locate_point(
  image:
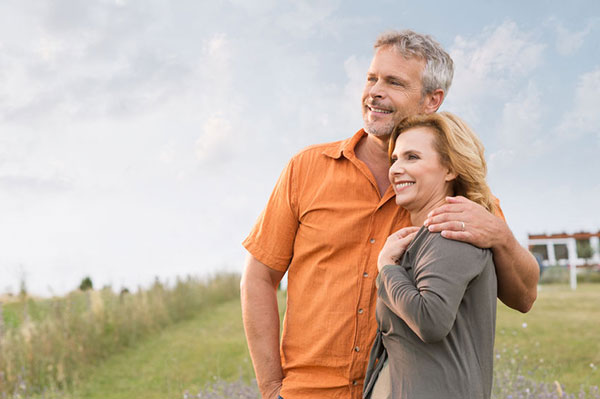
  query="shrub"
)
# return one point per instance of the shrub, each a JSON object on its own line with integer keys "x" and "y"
{"x": 86, "y": 284}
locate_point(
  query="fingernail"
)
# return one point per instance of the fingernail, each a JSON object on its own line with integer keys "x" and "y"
{"x": 426, "y": 222}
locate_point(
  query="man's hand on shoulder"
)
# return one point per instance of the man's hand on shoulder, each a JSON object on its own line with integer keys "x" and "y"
{"x": 464, "y": 220}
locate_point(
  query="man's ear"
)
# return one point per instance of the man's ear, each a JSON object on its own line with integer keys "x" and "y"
{"x": 433, "y": 101}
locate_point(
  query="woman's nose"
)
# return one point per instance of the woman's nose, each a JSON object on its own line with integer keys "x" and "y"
{"x": 396, "y": 168}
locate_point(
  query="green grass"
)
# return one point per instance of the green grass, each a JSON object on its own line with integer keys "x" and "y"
{"x": 186, "y": 356}
{"x": 49, "y": 344}
{"x": 561, "y": 338}
{"x": 560, "y": 341}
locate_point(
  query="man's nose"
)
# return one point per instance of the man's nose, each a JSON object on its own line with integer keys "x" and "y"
{"x": 376, "y": 90}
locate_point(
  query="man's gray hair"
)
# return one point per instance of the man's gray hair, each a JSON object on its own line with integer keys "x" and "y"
{"x": 439, "y": 67}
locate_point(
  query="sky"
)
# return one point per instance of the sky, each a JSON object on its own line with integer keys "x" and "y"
{"x": 142, "y": 138}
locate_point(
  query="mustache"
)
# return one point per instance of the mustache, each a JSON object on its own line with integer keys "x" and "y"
{"x": 377, "y": 104}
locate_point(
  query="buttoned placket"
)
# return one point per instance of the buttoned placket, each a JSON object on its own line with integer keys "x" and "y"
{"x": 369, "y": 271}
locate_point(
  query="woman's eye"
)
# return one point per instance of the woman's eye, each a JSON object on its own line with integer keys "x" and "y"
{"x": 412, "y": 157}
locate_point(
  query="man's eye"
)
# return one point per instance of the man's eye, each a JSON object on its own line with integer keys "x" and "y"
{"x": 371, "y": 79}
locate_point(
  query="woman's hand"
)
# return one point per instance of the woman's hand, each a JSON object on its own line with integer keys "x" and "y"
{"x": 395, "y": 245}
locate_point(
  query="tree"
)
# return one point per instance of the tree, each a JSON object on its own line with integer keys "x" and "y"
{"x": 86, "y": 284}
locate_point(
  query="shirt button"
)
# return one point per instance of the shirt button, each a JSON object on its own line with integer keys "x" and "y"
{"x": 356, "y": 349}
{"x": 354, "y": 383}
{"x": 360, "y": 311}
{"x": 365, "y": 274}
{"x": 372, "y": 240}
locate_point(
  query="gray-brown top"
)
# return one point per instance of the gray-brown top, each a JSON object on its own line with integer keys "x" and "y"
{"x": 436, "y": 313}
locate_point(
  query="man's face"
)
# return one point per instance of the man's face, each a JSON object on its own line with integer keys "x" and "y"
{"x": 392, "y": 91}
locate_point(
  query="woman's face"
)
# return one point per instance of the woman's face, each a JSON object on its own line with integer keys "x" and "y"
{"x": 417, "y": 175}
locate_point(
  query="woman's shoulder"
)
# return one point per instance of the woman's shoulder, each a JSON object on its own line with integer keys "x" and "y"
{"x": 434, "y": 244}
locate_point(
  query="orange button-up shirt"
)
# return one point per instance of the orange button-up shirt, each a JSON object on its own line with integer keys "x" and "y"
{"x": 325, "y": 223}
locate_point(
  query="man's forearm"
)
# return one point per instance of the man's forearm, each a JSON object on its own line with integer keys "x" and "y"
{"x": 261, "y": 322}
{"x": 517, "y": 272}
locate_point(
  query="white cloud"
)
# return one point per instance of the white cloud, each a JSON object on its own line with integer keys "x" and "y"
{"x": 255, "y": 7}
{"x": 356, "y": 72}
{"x": 309, "y": 17}
{"x": 568, "y": 42}
{"x": 583, "y": 117}
{"x": 213, "y": 144}
{"x": 491, "y": 65}
{"x": 521, "y": 117}
{"x": 521, "y": 128}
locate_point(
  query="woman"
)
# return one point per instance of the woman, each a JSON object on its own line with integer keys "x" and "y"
{"x": 436, "y": 307}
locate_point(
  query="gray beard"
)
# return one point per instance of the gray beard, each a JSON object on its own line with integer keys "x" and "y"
{"x": 384, "y": 130}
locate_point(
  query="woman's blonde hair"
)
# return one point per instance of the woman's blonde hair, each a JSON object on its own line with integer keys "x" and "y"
{"x": 460, "y": 151}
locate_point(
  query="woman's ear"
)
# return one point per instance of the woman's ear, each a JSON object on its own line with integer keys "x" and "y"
{"x": 450, "y": 175}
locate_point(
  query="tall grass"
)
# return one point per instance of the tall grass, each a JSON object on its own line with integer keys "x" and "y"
{"x": 561, "y": 275}
{"x": 47, "y": 345}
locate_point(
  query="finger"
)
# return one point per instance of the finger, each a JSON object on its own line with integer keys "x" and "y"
{"x": 452, "y": 225}
{"x": 410, "y": 237}
{"x": 446, "y": 218}
{"x": 457, "y": 235}
{"x": 459, "y": 199}
{"x": 406, "y": 231}
{"x": 447, "y": 208}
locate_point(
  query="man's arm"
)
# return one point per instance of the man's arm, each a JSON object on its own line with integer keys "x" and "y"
{"x": 516, "y": 268}
{"x": 261, "y": 323}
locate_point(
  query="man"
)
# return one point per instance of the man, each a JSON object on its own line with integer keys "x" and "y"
{"x": 325, "y": 223}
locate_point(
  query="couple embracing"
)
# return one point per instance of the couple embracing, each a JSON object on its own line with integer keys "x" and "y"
{"x": 394, "y": 246}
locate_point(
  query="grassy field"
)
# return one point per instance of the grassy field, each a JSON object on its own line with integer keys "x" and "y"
{"x": 184, "y": 357}
{"x": 52, "y": 344}
{"x": 187, "y": 357}
{"x": 559, "y": 340}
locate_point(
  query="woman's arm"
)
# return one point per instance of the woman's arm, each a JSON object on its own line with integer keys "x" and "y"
{"x": 443, "y": 270}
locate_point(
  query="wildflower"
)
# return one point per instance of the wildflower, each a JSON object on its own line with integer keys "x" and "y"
{"x": 524, "y": 325}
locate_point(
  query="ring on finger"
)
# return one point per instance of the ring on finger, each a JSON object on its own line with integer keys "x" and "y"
{"x": 463, "y": 225}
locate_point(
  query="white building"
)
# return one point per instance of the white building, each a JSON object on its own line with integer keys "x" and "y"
{"x": 566, "y": 249}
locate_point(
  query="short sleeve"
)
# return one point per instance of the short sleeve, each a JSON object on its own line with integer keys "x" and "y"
{"x": 498, "y": 211}
{"x": 271, "y": 240}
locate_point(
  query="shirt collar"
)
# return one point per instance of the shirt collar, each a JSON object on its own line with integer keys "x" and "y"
{"x": 345, "y": 147}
